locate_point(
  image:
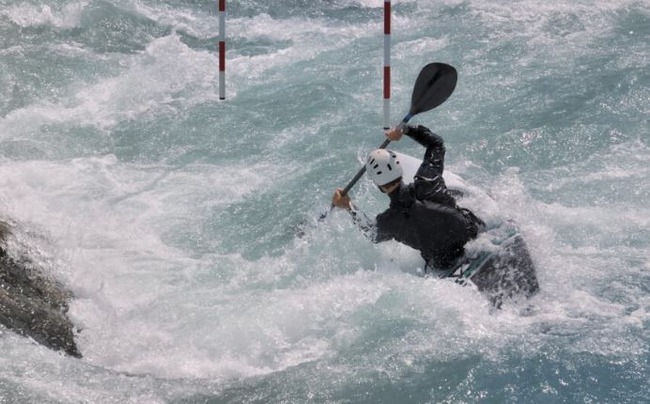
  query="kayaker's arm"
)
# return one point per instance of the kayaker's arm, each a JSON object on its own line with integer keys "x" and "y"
{"x": 428, "y": 181}
{"x": 363, "y": 222}
{"x": 434, "y": 157}
{"x": 367, "y": 226}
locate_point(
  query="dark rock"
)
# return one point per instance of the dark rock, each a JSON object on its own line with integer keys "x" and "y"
{"x": 32, "y": 303}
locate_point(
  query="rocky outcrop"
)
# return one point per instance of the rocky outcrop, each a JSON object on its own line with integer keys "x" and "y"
{"x": 32, "y": 303}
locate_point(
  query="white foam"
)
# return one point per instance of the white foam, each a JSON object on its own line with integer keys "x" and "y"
{"x": 29, "y": 15}
{"x": 191, "y": 21}
{"x": 167, "y": 72}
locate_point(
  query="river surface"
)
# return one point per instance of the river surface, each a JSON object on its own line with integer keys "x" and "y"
{"x": 187, "y": 226}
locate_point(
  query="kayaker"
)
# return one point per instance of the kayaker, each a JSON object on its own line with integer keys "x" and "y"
{"x": 423, "y": 214}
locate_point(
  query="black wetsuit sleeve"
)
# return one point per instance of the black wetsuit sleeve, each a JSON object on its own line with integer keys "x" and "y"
{"x": 429, "y": 184}
{"x": 368, "y": 226}
{"x": 434, "y": 156}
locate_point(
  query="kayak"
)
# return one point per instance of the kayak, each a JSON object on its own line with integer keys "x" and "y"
{"x": 497, "y": 262}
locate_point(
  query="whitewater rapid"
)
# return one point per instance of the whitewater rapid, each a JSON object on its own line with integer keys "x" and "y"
{"x": 175, "y": 217}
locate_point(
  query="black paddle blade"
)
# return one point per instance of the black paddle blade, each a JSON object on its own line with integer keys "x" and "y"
{"x": 434, "y": 85}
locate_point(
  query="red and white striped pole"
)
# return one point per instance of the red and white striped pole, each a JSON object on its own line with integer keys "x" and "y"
{"x": 387, "y": 64}
{"x": 222, "y": 49}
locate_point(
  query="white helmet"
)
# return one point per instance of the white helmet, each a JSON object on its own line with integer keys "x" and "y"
{"x": 383, "y": 166}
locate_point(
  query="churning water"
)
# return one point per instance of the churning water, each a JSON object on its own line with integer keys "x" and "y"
{"x": 175, "y": 217}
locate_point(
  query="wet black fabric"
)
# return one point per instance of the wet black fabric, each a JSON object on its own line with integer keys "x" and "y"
{"x": 423, "y": 215}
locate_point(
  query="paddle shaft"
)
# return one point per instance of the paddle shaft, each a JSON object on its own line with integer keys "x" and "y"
{"x": 434, "y": 84}
{"x": 363, "y": 169}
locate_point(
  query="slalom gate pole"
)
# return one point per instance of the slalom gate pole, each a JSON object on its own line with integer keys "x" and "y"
{"x": 387, "y": 17}
{"x": 222, "y": 49}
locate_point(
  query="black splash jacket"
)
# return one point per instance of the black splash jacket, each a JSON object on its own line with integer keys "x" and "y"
{"x": 423, "y": 215}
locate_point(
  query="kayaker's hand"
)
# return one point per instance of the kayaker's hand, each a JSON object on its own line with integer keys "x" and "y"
{"x": 394, "y": 134}
{"x": 341, "y": 201}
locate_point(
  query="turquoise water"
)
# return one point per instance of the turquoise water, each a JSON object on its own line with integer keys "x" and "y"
{"x": 174, "y": 216}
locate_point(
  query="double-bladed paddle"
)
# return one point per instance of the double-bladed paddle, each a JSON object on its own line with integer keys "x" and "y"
{"x": 435, "y": 83}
